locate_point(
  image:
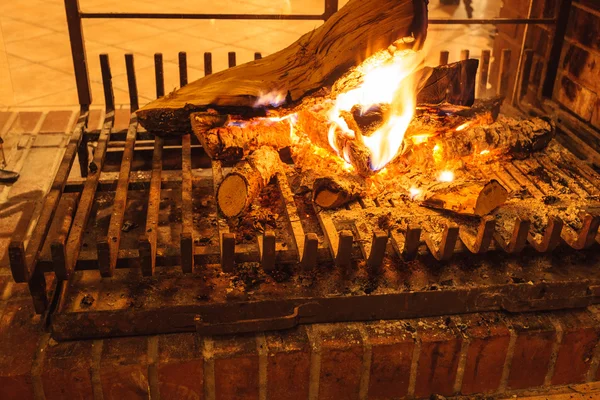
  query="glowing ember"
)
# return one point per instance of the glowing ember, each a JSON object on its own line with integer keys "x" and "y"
{"x": 484, "y": 152}
{"x": 437, "y": 153}
{"x": 274, "y": 99}
{"x": 414, "y": 192}
{"x": 386, "y": 81}
{"x": 463, "y": 126}
{"x": 418, "y": 139}
{"x": 446, "y": 176}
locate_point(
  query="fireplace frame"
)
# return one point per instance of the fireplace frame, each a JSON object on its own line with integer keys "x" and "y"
{"x": 66, "y": 199}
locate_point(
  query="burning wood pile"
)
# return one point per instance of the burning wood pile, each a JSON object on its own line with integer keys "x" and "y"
{"x": 360, "y": 114}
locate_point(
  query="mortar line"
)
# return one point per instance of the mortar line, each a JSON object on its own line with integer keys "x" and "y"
{"x": 261, "y": 347}
{"x": 153, "y": 388}
{"x": 38, "y": 366}
{"x": 365, "y": 373}
{"x": 97, "y": 346}
{"x": 508, "y": 361}
{"x": 414, "y": 365}
{"x": 462, "y": 362}
{"x": 314, "y": 340}
{"x": 209, "y": 369}
{"x": 555, "y": 347}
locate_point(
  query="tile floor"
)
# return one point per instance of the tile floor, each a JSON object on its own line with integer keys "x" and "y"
{"x": 36, "y": 68}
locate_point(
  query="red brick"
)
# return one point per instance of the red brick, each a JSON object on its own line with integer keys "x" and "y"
{"x": 288, "y": 364}
{"x": 439, "y": 356}
{"x": 56, "y": 122}
{"x": 20, "y": 334}
{"x": 236, "y": 367}
{"x": 180, "y": 367}
{"x": 25, "y": 122}
{"x": 489, "y": 338}
{"x": 575, "y": 97}
{"x": 533, "y": 350}
{"x": 67, "y": 370}
{"x": 124, "y": 368}
{"x": 341, "y": 362}
{"x": 392, "y": 345}
{"x": 580, "y": 336}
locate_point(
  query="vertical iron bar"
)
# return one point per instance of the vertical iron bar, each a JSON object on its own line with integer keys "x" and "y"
{"x": 331, "y": 7}
{"x": 503, "y": 73}
{"x": 183, "y": 76}
{"x": 465, "y": 54}
{"x": 207, "y": 63}
{"x": 257, "y": 56}
{"x": 484, "y": 67}
{"x": 131, "y": 83}
{"x": 109, "y": 95}
{"x": 231, "y": 59}
{"x": 527, "y": 64}
{"x": 557, "y": 44}
{"x": 82, "y": 77}
{"x": 444, "y": 55}
{"x": 159, "y": 75}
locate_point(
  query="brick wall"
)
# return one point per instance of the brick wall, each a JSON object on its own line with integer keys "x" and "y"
{"x": 577, "y": 85}
{"x": 486, "y": 353}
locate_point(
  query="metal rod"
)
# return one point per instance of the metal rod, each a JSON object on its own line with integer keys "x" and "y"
{"x": 207, "y": 63}
{"x": 109, "y": 96}
{"x": 183, "y": 74}
{"x": 309, "y": 17}
{"x": 557, "y": 44}
{"x": 331, "y": 7}
{"x": 527, "y": 64}
{"x": 484, "y": 71}
{"x": 493, "y": 21}
{"x": 444, "y": 55}
{"x": 131, "y": 83}
{"x": 257, "y": 56}
{"x": 82, "y": 77}
{"x": 159, "y": 75}
{"x": 231, "y": 59}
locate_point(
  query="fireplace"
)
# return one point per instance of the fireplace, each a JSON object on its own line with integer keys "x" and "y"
{"x": 140, "y": 244}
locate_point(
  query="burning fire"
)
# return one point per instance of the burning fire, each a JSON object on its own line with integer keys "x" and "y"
{"x": 446, "y": 176}
{"x": 388, "y": 81}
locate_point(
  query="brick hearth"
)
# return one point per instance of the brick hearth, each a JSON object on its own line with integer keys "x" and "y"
{"x": 488, "y": 353}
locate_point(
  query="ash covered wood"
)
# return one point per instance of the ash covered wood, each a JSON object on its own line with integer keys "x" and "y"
{"x": 467, "y": 198}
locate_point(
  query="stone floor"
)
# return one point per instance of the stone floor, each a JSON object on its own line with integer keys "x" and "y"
{"x": 36, "y": 68}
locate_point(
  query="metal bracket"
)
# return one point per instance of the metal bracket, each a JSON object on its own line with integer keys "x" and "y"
{"x": 299, "y": 315}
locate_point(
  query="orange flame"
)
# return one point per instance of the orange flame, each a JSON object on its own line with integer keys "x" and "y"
{"x": 386, "y": 80}
{"x": 446, "y": 176}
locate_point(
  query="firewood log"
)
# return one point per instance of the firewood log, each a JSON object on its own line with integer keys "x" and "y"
{"x": 228, "y": 140}
{"x": 241, "y": 186}
{"x": 507, "y": 136}
{"x": 318, "y": 59}
{"x": 465, "y": 197}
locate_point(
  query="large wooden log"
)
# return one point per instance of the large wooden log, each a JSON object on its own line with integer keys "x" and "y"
{"x": 507, "y": 136}
{"x": 318, "y": 59}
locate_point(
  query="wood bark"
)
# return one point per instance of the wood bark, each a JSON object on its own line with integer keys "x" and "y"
{"x": 242, "y": 185}
{"x": 507, "y": 136}
{"x": 228, "y": 140}
{"x": 465, "y": 197}
{"x": 318, "y": 59}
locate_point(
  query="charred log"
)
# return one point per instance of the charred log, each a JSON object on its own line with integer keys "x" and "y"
{"x": 316, "y": 60}
{"x": 453, "y": 83}
{"x": 241, "y": 186}
{"x": 466, "y": 198}
{"x": 511, "y": 137}
{"x": 228, "y": 140}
